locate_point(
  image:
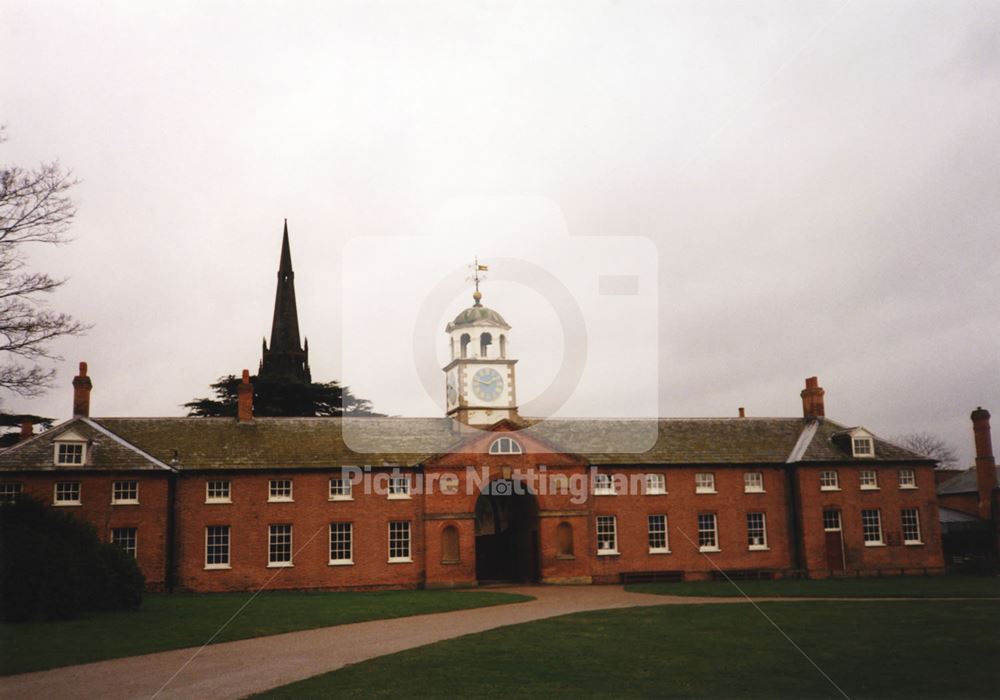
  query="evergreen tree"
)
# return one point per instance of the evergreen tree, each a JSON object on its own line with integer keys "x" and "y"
{"x": 282, "y": 396}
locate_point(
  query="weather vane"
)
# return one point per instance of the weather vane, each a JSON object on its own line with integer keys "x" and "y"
{"x": 476, "y": 269}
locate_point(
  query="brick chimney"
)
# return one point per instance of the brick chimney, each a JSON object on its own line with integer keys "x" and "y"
{"x": 81, "y": 392}
{"x": 812, "y": 399}
{"x": 743, "y": 412}
{"x": 244, "y": 395}
{"x": 986, "y": 474}
{"x": 27, "y": 429}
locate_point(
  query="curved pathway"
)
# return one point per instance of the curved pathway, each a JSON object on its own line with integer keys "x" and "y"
{"x": 238, "y": 669}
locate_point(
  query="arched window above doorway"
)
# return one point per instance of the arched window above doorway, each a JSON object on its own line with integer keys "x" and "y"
{"x": 505, "y": 446}
{"x": 564, "y": 541}
{"x": 450, "y": 551}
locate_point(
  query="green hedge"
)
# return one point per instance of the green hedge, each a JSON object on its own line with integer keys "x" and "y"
{"x": 54, "y": 566}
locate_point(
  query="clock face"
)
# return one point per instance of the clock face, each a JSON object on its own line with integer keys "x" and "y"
{"x": 452, "y": 390}
{"x": 487, "y": 384}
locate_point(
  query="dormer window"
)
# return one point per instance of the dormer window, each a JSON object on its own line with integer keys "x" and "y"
{"x": 70, "y": 453}
{"x": 863, "y": 446}
{"x": 857, "y": 442}
{"x": 505, "y": 446}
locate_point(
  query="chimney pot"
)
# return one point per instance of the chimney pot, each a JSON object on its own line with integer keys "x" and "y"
{"x": 812, "y": 399}
{"x": 244, "y": 399}
{"x": 81, "y": 392}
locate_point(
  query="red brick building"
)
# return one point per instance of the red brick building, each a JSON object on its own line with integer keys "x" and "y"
{"x": 480, "y": 494}
{"x": 233, "y": 504}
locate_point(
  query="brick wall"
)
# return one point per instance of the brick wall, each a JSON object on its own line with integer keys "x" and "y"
{"x": 250, "y": 514}
{"x": 149, "y": 516}
{"x": 889, "y": 499}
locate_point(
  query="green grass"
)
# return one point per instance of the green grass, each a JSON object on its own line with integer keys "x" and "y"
{"x": 890, "y": 586}
{"x": 890, "y": 649}
{"x": 176, "y": 621}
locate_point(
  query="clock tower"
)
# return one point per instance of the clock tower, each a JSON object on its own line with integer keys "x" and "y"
{"x": 479, "y": 379}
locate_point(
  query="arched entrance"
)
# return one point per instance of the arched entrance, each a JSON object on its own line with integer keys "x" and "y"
{"x": 506, "y": 533}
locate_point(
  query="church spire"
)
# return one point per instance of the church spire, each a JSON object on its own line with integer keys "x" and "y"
{"x": 285, "y": 356}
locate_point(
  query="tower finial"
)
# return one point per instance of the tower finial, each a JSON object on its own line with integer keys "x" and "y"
{"x": 477, "y": 296}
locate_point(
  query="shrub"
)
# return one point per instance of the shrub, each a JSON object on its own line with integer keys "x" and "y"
{"x": 54, "y": 566}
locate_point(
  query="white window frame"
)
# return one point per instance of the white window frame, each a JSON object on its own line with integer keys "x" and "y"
{"x": 274, "y": 494}
{"x": 130, "y": 547}
{"x": 753, "y": 482}
{"x": 704, "y": 482}
{"x": 209, "y": 498}
{"x": 10, "y": 491}
{"x": 395, "y": 539}
{"x": 706, "y": 518}
{"x": 762, "y": 544}
{"x": 399, "y": 487}
{"x": 869, "y": 480}
{"x": 606, "y": 525}
{"x": 653, "y": 530}
{"x": 907, "y": 479}
{"x": 227, "y": 531}
{"x": 65, "y": 460}
{"x": 866, "y": 525}
{"x": 505, "y": 446}
{"x": 656, "y": 484}
{"x": 127, "y": 491}
{"x": 862, "y": 447}
{"x": 915, "y": 524}
{"x": 604, "y": 484}
{"x": 276, "y": 535}
{"x": 57, "y": 501}
{"x": 336, "y": 530}
{"x": 337, "y": 493}
{"x": 829, "y": 526}
{"x": 825, "y": 476}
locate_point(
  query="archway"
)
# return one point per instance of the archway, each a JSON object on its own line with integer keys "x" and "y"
{"x": 506, "y": 533}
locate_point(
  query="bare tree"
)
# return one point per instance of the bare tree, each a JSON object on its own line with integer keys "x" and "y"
{"x": 930, "y": 446}
{"x": 34, "y": 208}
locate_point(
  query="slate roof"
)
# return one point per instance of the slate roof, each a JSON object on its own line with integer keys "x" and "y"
{"x": 950, "y": 515}
{"x": 296, "y": 443}
{"x": 105, "y": 450}
{"x": 965, "y": 482}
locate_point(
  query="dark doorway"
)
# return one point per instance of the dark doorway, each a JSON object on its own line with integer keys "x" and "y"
{"x": 506, "y": 533}
{"x": 833, "y": 532}
{"x": 834, "y": 550}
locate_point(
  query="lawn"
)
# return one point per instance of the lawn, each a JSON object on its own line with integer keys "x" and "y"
{"x": 887, "y": 649}
{"x": 890, "y": 586}
{"x": 177, "y": 621}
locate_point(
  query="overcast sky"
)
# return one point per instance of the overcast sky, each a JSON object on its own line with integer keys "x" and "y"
{"x": 800, "y": 188}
